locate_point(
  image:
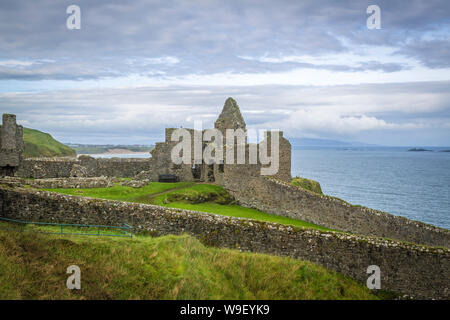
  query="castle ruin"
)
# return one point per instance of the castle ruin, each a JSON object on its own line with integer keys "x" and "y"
{"x": 230, "y": 118}
{"x": 159, "y": 165}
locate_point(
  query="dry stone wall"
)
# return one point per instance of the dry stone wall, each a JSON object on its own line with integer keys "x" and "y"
{"x": 40, "y": 168}
{"x": 71, "y": 183}
{"x": 121, "y": 167}
{"x": 416, "y": 270}
{"x": 283, "y": 199}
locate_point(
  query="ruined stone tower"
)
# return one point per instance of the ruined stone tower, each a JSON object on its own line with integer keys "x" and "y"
{"x": 222, "y": 173}
{"x": 230, "y": 118}
{"x": 11, "y": 145}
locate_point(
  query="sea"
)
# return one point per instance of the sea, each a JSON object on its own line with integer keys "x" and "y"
{"x": 412, "y": 184}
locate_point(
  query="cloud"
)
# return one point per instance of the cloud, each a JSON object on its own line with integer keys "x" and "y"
{"x": 299, "y": 62}
{"x": 16, "y": 63}
{"x": 432, "y": 53}
{"x": 78, "y": 69}
{"x": 158, "y": 60}
{"x": 139, "y": 115}
{"x": 307, "y": 121}
{"x": 206, "y": 37}
{"x": 311, "y": 66}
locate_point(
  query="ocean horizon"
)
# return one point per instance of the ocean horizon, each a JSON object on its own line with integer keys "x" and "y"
{"x": 412, "y": 184}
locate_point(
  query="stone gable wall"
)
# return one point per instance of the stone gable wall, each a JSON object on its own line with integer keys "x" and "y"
{"x": 11, "y": 145}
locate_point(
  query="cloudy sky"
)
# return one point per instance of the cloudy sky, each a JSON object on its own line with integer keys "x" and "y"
{"x": 309, "y": 67}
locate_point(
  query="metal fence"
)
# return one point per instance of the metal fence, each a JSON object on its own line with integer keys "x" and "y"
{"x": 126, "y": 230}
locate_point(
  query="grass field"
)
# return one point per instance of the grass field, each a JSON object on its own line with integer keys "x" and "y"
{"x": 123, "y": 193}
{"x": 186, "y": 195}
{"x": 33, "y": 266}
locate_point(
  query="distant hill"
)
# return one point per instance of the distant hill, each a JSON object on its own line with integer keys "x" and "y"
{"x": 40, "y": 144}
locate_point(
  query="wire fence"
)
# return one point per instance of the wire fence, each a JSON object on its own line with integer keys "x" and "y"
{"x": 73, "y": 229}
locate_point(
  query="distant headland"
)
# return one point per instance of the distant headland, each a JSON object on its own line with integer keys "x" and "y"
{"x": 419, "y": 149}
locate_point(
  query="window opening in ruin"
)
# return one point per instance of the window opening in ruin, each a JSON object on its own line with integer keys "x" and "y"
{"x": 196, "y": 171}
{"x": 211, "y": 177}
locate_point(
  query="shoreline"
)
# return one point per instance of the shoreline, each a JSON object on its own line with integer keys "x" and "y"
{"x": 112, "y": 152}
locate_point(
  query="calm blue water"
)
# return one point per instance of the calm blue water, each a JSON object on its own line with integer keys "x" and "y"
{"x": 415, "y": 185}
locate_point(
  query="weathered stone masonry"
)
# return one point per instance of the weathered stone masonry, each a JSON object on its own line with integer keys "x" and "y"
{"x": 84, "y": 166}
{"x": 280, "y": 198}
{"x": 230, "y": 118}
{"x": 11, "y": 145}
{"x": 419, "y": 271}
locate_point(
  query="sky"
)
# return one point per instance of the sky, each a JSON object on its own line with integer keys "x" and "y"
{"x": 311, "y": 68}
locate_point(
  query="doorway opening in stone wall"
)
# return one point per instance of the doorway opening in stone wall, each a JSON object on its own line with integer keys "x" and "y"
{"x": 196, "y": 171}
{"x": 7, "y": 171}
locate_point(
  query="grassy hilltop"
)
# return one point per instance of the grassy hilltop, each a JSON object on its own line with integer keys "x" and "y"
{"x": 40, "y": 144}
{"x": 34, "y": 266}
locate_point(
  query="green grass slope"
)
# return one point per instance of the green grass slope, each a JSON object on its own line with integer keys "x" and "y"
{"x": 186, "y": 195}
{"x": 40, "y": 144}
{"x": 33, "y": 266}
{"x": 307, "y": 184}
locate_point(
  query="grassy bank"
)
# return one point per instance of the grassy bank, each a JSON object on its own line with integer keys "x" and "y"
{"x": 307, "y": 184}
{"x": 186, "y": 195}
{"x": 34, "y": 266}
{"x": 40, "y": 144}
{"x": 124, "y": 193}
